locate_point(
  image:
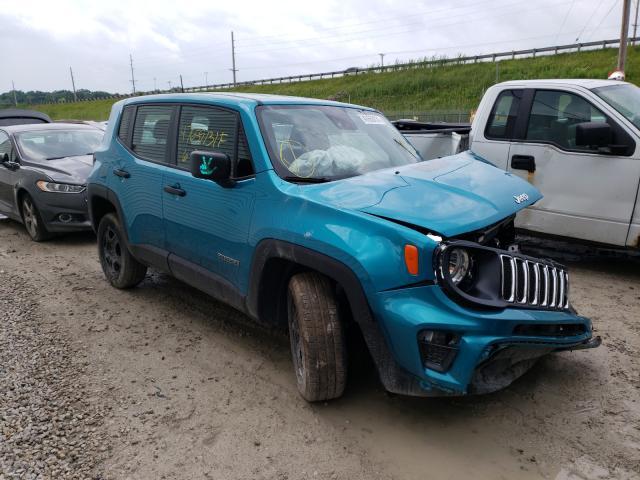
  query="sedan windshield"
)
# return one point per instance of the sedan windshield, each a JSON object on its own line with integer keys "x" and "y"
{"x": 323, "y": 143}
{"x": 53, "y": 144}
{"x": 625, "y": 98}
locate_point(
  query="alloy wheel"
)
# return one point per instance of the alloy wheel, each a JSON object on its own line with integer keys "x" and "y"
{"x": 29, "y": 216}
{"x": 112, "y": 252}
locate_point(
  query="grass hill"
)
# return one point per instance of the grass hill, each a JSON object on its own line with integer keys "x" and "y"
{"x": 451, "y": 87}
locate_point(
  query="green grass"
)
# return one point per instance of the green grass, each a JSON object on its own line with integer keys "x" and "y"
{"x": 453, "y": 87}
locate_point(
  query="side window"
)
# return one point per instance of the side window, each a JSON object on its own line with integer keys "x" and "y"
{"x": 126, "y": 123}
{"x": 503, "y": 115}
{"x": 216, "y": 130}
{"x": 5, "y": 146}
{"x": 151, "y": 132}
{"x": 555, "y": 114}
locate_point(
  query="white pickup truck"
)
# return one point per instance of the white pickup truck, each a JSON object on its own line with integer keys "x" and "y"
{"x": 577, "y": 141}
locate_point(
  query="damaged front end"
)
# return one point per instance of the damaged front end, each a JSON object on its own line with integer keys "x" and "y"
{"x": 490, "y": 314}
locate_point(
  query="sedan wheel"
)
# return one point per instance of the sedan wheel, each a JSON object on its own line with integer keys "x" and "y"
{"x": 32, "y": 220}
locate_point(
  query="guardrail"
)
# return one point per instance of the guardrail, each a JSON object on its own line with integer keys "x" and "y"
{"x": 491, "y": 57}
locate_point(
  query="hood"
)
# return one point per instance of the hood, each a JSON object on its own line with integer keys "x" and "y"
{"x": 448, "y": 195}
{"x": 68, "y": 169}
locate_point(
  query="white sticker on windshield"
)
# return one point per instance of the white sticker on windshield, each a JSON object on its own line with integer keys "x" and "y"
{"x": 371, "y": 118}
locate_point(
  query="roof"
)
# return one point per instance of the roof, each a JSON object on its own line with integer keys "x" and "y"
{"x": 38, "y": 127}
{"x": 232, "y": 98}
{"x": 18, "y": 113}
{"x": 588, "y": 83}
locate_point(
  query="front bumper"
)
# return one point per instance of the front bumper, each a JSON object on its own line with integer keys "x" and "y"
{"x": 495, "y": 346}
{"x": 63, "y": 212}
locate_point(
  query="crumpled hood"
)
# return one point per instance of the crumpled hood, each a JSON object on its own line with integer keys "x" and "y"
{"x": 69, "y": 169}
{"x": 449, "y": 195}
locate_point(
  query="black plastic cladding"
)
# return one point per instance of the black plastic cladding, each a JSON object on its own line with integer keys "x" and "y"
{"x": 489, "y": 279}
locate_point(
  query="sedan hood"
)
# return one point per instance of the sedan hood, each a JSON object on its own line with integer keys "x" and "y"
{"x": 449, "y": 195}
{"x": 68, "y": 169}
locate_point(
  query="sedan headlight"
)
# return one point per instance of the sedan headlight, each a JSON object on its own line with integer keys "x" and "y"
{"x": 59, "y": 187}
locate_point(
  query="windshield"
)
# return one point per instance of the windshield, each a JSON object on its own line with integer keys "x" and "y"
{"x": 625, "y": 98}
{"x": 327, "y": 143}
{"x": 54, "y": 144}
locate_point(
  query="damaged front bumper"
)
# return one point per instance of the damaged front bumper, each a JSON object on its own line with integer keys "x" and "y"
{"x": 442, "y": 348}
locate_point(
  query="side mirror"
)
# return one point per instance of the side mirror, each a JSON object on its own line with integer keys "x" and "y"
{"x": 593, "y": 134}
{"x": 210, "y": 165}
{"x": 5, "y": 158}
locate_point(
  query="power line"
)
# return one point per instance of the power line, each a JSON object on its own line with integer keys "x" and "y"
{"x": 605, "y": 16}
{"x": 564, "y": 21}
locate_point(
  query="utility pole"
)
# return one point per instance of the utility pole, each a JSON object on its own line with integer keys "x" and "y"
{"x": 206, "y": 80}
{"x": 15, "y": 98}
{"x": 73, "y": 84}
{"x": 233, "y": 59}
{"x": 181, "y": 84}
{"x": 169, "y": 82}
{"x": 635, "y": 24}
{"x": 133, "y": 80}
{"x": 155, "y": 85}
{"x": 381, "y": 59}
{"x": 624, "y": 35}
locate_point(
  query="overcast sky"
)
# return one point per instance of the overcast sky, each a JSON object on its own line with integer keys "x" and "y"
{"x": 42, "y": 39}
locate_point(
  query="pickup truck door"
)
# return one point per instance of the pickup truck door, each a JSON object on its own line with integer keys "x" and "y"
{"x": 207, "y": 224}
{"x": 494, "y": 142}
{"x": 587, "y": 194}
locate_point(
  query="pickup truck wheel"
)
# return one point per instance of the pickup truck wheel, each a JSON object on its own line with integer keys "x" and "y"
{"x": 317, "y": 337}
{"x": 118, "y": 265}
{"x": 32, "y": 220}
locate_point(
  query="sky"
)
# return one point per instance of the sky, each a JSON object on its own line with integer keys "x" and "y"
{"x": 42, "y": 39}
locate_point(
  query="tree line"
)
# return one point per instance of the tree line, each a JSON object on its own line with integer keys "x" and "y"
{"x": 34, "y": 97}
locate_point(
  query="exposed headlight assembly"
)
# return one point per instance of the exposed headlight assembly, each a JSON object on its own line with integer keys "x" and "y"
{"x": 53, "y": 187}
{"x": 478, "y": 275}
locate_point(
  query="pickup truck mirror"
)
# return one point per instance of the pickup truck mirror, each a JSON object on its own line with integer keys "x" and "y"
{"x": 214, "y": 166}
{"x": 593, "y": 134}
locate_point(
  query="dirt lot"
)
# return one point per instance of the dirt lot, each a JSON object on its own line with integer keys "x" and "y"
{"x": 163, "y": 382}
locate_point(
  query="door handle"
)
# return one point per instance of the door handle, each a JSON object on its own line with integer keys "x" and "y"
{"x": 175, "y": 190}
{"x": 523, "y": 162}
{"x": 121, "y": 173}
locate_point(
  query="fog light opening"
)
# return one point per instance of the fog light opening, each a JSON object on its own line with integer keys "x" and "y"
{"x": 438, "y": 349}
{"x": 65, "y": 217}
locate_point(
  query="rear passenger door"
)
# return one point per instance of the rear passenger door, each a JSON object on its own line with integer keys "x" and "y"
{"x": 588, "y": 194}
{"x": 136, "y": 176}
{"x": 207, "y": 224}
{"x": 494, "y": 141}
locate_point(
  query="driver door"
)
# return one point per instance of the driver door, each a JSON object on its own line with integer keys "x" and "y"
{"x": 587, "y": 194}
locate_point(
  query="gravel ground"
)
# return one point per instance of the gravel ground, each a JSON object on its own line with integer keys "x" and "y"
{"x": 161, "y": 382}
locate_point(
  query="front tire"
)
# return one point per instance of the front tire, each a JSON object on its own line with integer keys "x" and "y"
{"x": 32, "y": 220}
{"x": 317, "y": 337}
{"x": 119, "y": 266}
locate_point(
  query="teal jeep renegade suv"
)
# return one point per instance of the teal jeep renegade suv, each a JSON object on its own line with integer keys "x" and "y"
{"x": 317, "y": 216}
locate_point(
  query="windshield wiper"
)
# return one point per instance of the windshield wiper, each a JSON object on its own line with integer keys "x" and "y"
{"x": 292, "y": 178}
{"x": 405, "y": 148}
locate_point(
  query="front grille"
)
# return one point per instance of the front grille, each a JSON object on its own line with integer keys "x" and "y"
{"x": 532, "y": 283}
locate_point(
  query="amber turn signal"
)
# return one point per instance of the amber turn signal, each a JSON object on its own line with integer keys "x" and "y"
{"x": 411, "y": 259}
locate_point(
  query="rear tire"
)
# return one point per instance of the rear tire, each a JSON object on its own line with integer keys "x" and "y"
{"x": 317, "y": 337}
{"x": 32, "y": 220}
{"x": 118, "y": 265}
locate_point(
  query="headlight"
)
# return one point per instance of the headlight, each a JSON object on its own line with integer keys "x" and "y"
{"x": 59, "y": 187}
{"x": 459, "y": 265}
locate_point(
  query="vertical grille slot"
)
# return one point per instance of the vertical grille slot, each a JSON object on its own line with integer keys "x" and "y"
{"x": 526, "y": 282}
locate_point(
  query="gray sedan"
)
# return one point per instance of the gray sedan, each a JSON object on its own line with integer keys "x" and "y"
{"x": 43, "y": 173}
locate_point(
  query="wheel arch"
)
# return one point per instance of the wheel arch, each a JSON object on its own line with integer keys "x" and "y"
{"x": 101, "y": 201}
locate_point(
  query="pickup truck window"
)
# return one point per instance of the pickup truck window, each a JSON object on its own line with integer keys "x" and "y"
{"x": 504, "y": 115}
{"x": 625, "y": 98}
{"x": 555, "y": 114}
{"x": 327, "y": 143}
{"x": 151, "y": 131}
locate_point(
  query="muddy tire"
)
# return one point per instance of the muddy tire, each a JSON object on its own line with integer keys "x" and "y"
{"x": 32, "y": 220}
{"x": 317, "y": 337}
{"x": 118, "y": 265}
